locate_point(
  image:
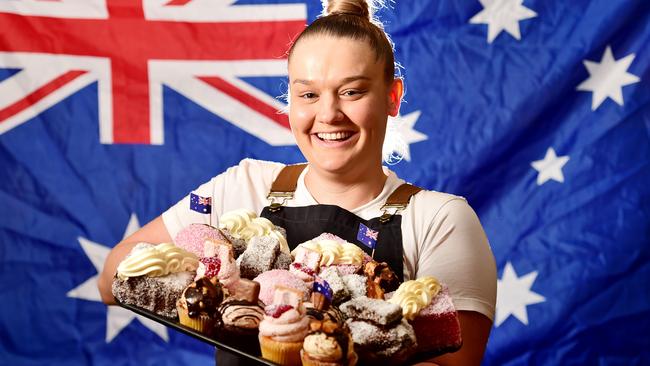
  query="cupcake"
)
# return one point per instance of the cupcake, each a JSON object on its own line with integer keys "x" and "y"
{"x": 284, "y": 327}
{"x": 329, "y": 341}
{"x": 241, "y": 314}
{"x": 198, "y": 306}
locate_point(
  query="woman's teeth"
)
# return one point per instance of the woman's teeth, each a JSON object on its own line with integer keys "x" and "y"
{"x": 335, "y": 136}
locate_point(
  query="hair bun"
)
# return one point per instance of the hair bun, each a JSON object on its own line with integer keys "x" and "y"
{"x": 359, "y": 8}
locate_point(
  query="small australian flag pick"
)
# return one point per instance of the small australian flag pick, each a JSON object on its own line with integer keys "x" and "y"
{"x": 321, "y": 286}
{"x": 367, "y": 236}
{"x": 200, "y": 204}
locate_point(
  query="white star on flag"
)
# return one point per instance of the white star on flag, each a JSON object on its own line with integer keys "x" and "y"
{"x": 502, "y": 15}
{"x": 117, "y": 318}
{"x": 550, "y": 167}
{"x": 400, "y": 134}
{"x": 514, "y": 294}
{"x": 607, "y": 78}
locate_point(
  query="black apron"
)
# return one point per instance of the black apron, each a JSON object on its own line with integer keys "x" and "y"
{"x": 307, "y": 222}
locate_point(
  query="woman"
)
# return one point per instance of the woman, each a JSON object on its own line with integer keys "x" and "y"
{"x": 342, "y": 89}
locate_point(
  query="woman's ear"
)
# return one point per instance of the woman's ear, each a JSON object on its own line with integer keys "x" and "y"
{"x": 395, "y": 94}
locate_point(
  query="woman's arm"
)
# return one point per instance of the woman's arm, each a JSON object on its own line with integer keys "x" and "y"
{"x": 475, "y": 329}
{"x": 153, "y": 232}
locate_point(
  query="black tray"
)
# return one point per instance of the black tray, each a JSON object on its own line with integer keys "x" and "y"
{"x": 253, "y": 356}
{"x": 234, "y": 346}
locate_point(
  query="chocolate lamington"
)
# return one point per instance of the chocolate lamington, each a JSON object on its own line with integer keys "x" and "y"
{"x": 376, "y": 311}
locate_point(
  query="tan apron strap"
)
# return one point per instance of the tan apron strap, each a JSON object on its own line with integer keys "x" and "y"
{"x": 287, "y": 180}
{"x": 397, "y": 201}
{"x": 284, "y": 185}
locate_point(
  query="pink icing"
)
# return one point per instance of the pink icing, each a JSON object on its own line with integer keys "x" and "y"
{"x": 192, "y": 237}
{"x": 307, "y": 278}
{"x": 269, "y": 279}
{"x": 229, "y": 273}
{"x": 291, "y": 326}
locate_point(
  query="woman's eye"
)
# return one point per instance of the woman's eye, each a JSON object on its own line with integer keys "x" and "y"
{"x": 351, "y": 93}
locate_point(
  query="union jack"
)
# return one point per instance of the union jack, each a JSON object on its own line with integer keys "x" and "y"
{"x": 132, "y": 48}
{"x": 372, "y": 234}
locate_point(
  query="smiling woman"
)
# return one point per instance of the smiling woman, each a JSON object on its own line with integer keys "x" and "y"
{"x": 342, "y": 90}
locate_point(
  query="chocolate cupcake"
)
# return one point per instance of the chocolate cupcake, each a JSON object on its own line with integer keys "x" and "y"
{"x": 241, "y": 315}
{"x": 198, "y": 306}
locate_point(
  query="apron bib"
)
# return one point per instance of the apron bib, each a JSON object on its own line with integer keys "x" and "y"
{"x": 307, "y": 222}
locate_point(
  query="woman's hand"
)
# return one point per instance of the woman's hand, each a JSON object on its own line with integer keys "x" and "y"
{"x": 154, "y": 232}
{"x": 475, "y": 330}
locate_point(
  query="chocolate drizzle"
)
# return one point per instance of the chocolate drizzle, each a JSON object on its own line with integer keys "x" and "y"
{"x": 203, "y": 297}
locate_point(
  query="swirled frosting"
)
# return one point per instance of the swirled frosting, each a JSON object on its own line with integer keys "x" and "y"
{"x": 333, "y": 252}
{"x": 291, "y": 326}
{"x": 244, "y": 224}
{"x": 156, "y": 261}
{"x": 323, "y": 347}
{"x": 412, "y": 296}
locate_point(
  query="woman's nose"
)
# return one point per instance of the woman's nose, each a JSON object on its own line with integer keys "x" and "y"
{"x": 329, "y": 110}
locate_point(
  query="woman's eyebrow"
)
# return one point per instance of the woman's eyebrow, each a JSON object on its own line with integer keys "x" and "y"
{"x": 346, "y": 80}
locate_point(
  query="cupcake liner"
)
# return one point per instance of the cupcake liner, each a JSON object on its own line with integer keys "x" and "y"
{"x": 282, "y": 353}
{"x": 202, "y": 323}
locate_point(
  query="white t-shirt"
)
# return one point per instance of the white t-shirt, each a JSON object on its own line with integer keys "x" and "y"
{"x": 442, "y": 236}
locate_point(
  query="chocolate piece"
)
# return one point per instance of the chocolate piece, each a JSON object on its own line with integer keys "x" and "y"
{"x": 247, "y": 290}
{"x": 203, "y": 297}
{"x": 381, "y": 274}
{"x": 377, "y": 311}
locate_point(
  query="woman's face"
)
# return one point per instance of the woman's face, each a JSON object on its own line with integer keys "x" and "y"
{"x": 339, "y": 103}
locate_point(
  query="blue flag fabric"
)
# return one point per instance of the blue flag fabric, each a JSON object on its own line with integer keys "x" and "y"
{"x": 537, "y": 111}
{"x": 200, "y": 204}
{"x": 367, "y": 236}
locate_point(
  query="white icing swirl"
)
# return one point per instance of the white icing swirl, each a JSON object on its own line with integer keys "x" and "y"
{"x": 332, "y": 252}
{"x": 244, "y": 224}
{"x": 414, "y": 295}
{"x": 156, "y": 261}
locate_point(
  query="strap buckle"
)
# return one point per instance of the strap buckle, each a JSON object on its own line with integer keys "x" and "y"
{"x": 283, "y": 197}
{"x": 386, "y": 215}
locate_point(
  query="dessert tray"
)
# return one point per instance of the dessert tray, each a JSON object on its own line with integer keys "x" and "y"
{"x": 251, "y": 352}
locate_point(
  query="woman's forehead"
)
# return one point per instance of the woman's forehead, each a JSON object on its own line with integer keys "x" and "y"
{"x": 328, "y": 56}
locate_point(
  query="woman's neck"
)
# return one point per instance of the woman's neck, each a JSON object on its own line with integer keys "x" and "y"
{"x": 345, "y": 190}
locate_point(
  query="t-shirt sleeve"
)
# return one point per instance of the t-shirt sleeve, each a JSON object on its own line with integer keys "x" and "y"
{"x": 456, "y": 251}
{"x": 243, "y": 186}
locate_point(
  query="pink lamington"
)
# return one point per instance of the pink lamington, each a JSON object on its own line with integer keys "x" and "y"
{"x": 192, "y": 237}
{"x": 269, "y": 279}
{"x": 436, "y": 326}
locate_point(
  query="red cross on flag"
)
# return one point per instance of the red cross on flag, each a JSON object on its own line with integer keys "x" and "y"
{"x": 131, "y": 48}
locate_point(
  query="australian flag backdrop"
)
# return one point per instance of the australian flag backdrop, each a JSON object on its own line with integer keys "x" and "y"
{"x": 537, "y": 111}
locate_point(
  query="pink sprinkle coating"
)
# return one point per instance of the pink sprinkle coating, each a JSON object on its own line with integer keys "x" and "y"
{"x": 269, "y": 279}
{"x": 192, "y": 237}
